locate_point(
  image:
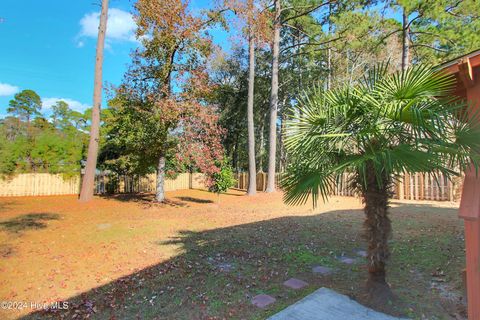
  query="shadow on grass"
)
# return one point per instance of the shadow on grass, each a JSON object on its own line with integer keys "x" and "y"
{"x": 243, "y": 192}
{"x": 217, "y": 272}
{"x": 426, "y": 204}
{"x": 145, "y": 199}
{"x": 31, "y": 221}
{"x": 195, "y": 200}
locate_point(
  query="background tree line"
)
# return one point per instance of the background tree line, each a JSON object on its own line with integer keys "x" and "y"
{"x": 34, "y": 142}
{"x": 332, "y": 43}
{"x": 183, "y": 102}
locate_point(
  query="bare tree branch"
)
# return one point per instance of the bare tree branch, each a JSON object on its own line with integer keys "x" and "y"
{"x": 310, "y": 44}
{"x": 428, "y": 46}
{"x": 307, "y": 11}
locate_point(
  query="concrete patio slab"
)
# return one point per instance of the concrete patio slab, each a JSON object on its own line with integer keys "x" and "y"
{"x": 326, "y": 304}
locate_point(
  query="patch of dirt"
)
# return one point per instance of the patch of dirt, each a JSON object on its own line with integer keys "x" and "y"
{"x": 6, "y": 251}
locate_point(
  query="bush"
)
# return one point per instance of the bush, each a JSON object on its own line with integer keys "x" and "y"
{"x": 222, "y": 180}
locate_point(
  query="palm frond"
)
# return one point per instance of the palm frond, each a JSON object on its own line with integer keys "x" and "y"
{"x": 407, "y": 121}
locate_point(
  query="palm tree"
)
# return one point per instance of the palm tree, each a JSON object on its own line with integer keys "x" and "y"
{"x": 386, "y": 125}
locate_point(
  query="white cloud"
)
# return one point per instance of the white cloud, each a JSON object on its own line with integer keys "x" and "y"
{"x": 120, "y": 26}
{"x": 7, "y": 89}
{"x": 47, "y": 104}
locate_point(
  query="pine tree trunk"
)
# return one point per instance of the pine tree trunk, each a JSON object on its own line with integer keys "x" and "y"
{"x": 252, "y": 171}
{"x": 377, "y": 233}
{"x": 261, "y": 144}
{"x": 160, "y": 191}
{"x": 272, "y": 152}
{"x": 405, "y": 44}
{"x": 88, "y": 182}
{"x": 329, "y": 51}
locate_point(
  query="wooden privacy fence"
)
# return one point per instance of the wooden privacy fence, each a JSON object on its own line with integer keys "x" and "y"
{"x": 46, "y": 184}
{"x": 422, "y": 186}
{"x": 419, "y": 186}
{"x": 242, "y": 180}
{"x": 105, "y": 183}
{"x": 39, "y": 184}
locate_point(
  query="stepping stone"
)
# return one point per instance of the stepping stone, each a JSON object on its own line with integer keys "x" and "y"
{"x": 263, "y": 300}
{"x": 326, "y": 304}
{"x": 361, "y": 253}
{"x": 293, "y": 283}
{"x": 322, "y": 270}
{"x": 347, "y": 260}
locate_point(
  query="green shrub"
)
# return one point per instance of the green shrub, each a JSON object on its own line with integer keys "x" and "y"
{"x": 222, "y": 180}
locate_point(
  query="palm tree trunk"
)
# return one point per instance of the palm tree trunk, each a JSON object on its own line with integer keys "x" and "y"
{"x": 272, "y": 152}
{"x": 86, "y": 193}
{"x": 160, "y": 190}
{"x": 377, "y": 233}
{"x": 252, "y": 171}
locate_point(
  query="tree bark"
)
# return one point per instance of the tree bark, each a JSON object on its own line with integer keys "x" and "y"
{"x": 261, "y": 144}
{"x": 405, "y": 44}
{"x": 329, "y": 52}
{"x": 252, "y": 171}
{"x": 235, "y": 154}
{"x": 377, "y": 233}
{"x": 272, "y": 152}
{"x": 88, "y": 182}
{"x": 160, "y": 190}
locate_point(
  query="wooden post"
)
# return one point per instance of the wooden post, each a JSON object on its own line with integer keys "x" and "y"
{"x": 470, "y": 212}
{"x": 451, "y": 190}
{"x": 442, "y": 187}
{"x": 412, "y": 190}
{"x": 401, "y": 187}
{"x": 415, "y": 179}
{"x": 422, "y": 186}
{"x": 407, "y": 186}
{"x": 470, "y": 203}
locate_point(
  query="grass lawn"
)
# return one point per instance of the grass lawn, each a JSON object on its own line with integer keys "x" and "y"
{"x": 126, "y": 258}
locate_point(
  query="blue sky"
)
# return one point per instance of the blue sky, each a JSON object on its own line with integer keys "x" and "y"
{"x": 49, "y": 47}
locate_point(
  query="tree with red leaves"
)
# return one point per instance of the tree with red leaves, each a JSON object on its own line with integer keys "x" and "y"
{"x": 159, "y": 115}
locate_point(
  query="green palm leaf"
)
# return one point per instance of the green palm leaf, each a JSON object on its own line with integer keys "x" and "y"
{"x": 389, "y": 123}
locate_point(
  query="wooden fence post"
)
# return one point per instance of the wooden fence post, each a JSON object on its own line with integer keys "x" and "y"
{"x": 422, "y": 186}
{"x": 401, "y": 190}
